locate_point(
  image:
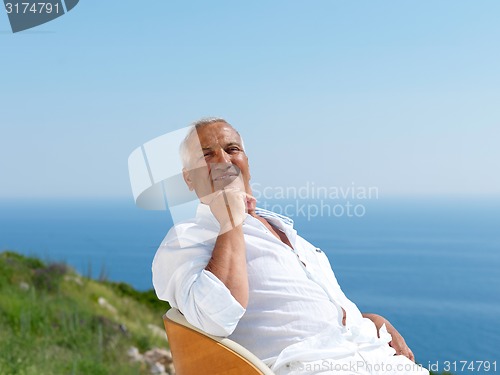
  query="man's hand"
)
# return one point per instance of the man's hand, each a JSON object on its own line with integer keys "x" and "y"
{"x": 229, "y": 206}
{"x": 397, "y": 342}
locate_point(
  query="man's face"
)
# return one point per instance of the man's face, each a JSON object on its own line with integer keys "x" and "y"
{"x": 221, "y": 161}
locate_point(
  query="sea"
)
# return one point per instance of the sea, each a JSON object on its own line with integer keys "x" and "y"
{"x": 430, "y": 265}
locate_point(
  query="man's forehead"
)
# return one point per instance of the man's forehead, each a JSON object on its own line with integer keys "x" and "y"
{"x": 217, "y": 134}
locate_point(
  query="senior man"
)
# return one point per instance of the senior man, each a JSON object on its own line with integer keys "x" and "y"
{"x": 254, "y": 279}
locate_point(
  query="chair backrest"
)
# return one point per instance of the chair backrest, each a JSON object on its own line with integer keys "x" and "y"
{"x": 194, "y": 352}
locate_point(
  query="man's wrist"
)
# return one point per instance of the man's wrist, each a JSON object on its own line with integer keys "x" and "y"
{"x": 377, "y": 320}
{"x": 230, "y": 230}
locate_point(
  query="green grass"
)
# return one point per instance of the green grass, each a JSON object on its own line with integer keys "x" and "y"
{"x": 51, "y": 322}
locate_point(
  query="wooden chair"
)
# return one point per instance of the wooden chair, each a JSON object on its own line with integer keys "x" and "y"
{"x": 195, "y": 352}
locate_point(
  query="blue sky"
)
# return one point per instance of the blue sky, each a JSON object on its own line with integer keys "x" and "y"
{"x": 399, "y": 95}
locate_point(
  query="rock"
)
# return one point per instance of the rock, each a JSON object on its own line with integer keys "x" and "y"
{"x": 171, "y": 369}
{"x": 158, "y": 361}
{"x": 123, "y": 328}
{"x": 161, "y": 356}
{"x": 75, "y": 279}
{"x": 134, "y": 354}
{"x": 104, "y": 303}
{"x": 157, "y": 331}
{"x": 157, "y": 369}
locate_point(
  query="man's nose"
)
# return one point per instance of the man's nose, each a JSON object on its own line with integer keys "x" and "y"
{"x": 221, "y": 156}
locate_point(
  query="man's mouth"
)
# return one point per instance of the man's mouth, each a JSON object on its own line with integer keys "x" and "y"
{"x": 225, "y": 176}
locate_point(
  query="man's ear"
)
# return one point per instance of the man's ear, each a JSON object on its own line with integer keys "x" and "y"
{"x": 187, "y": 179}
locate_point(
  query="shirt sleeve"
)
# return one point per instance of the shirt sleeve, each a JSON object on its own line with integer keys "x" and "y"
{"x": 179, "y": 277}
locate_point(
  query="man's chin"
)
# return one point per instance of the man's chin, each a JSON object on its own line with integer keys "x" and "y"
{"x": 218, "y": 185}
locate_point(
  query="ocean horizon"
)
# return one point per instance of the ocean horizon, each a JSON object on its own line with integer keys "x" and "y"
{"x": 430, "y": 265}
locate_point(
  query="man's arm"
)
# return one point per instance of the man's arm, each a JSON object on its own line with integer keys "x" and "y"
{"x": 208, "y": 285}
{"x": 228, "y": 261}
{"x": 397, "y": 342}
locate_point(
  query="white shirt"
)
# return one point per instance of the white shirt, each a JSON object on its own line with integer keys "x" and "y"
{"x": 295, "y": 303}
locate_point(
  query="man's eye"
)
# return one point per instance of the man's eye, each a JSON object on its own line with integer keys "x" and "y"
{"x": 234, "y": 149}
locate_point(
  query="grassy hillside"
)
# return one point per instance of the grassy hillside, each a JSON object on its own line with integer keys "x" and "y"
{"x": 54, "y": 321}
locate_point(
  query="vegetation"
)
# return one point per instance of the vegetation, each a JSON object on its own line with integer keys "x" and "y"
{"x": 54, "y": 321}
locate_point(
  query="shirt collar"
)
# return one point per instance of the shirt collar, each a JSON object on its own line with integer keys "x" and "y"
{"x": 274, "y": 217}
{"x": 204, "y": 214}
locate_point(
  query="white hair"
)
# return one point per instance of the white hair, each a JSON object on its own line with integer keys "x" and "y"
{"x": 184, "y": 149}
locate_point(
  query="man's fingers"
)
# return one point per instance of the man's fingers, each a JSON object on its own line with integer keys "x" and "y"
{"x": 404, "y": 350}
{"x": 411, "y": 355}
{"x": 251, "y": 202}
{"x": 229, "y": 207}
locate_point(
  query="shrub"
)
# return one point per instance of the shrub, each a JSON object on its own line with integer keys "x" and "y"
{"x": 49, "y": 278}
